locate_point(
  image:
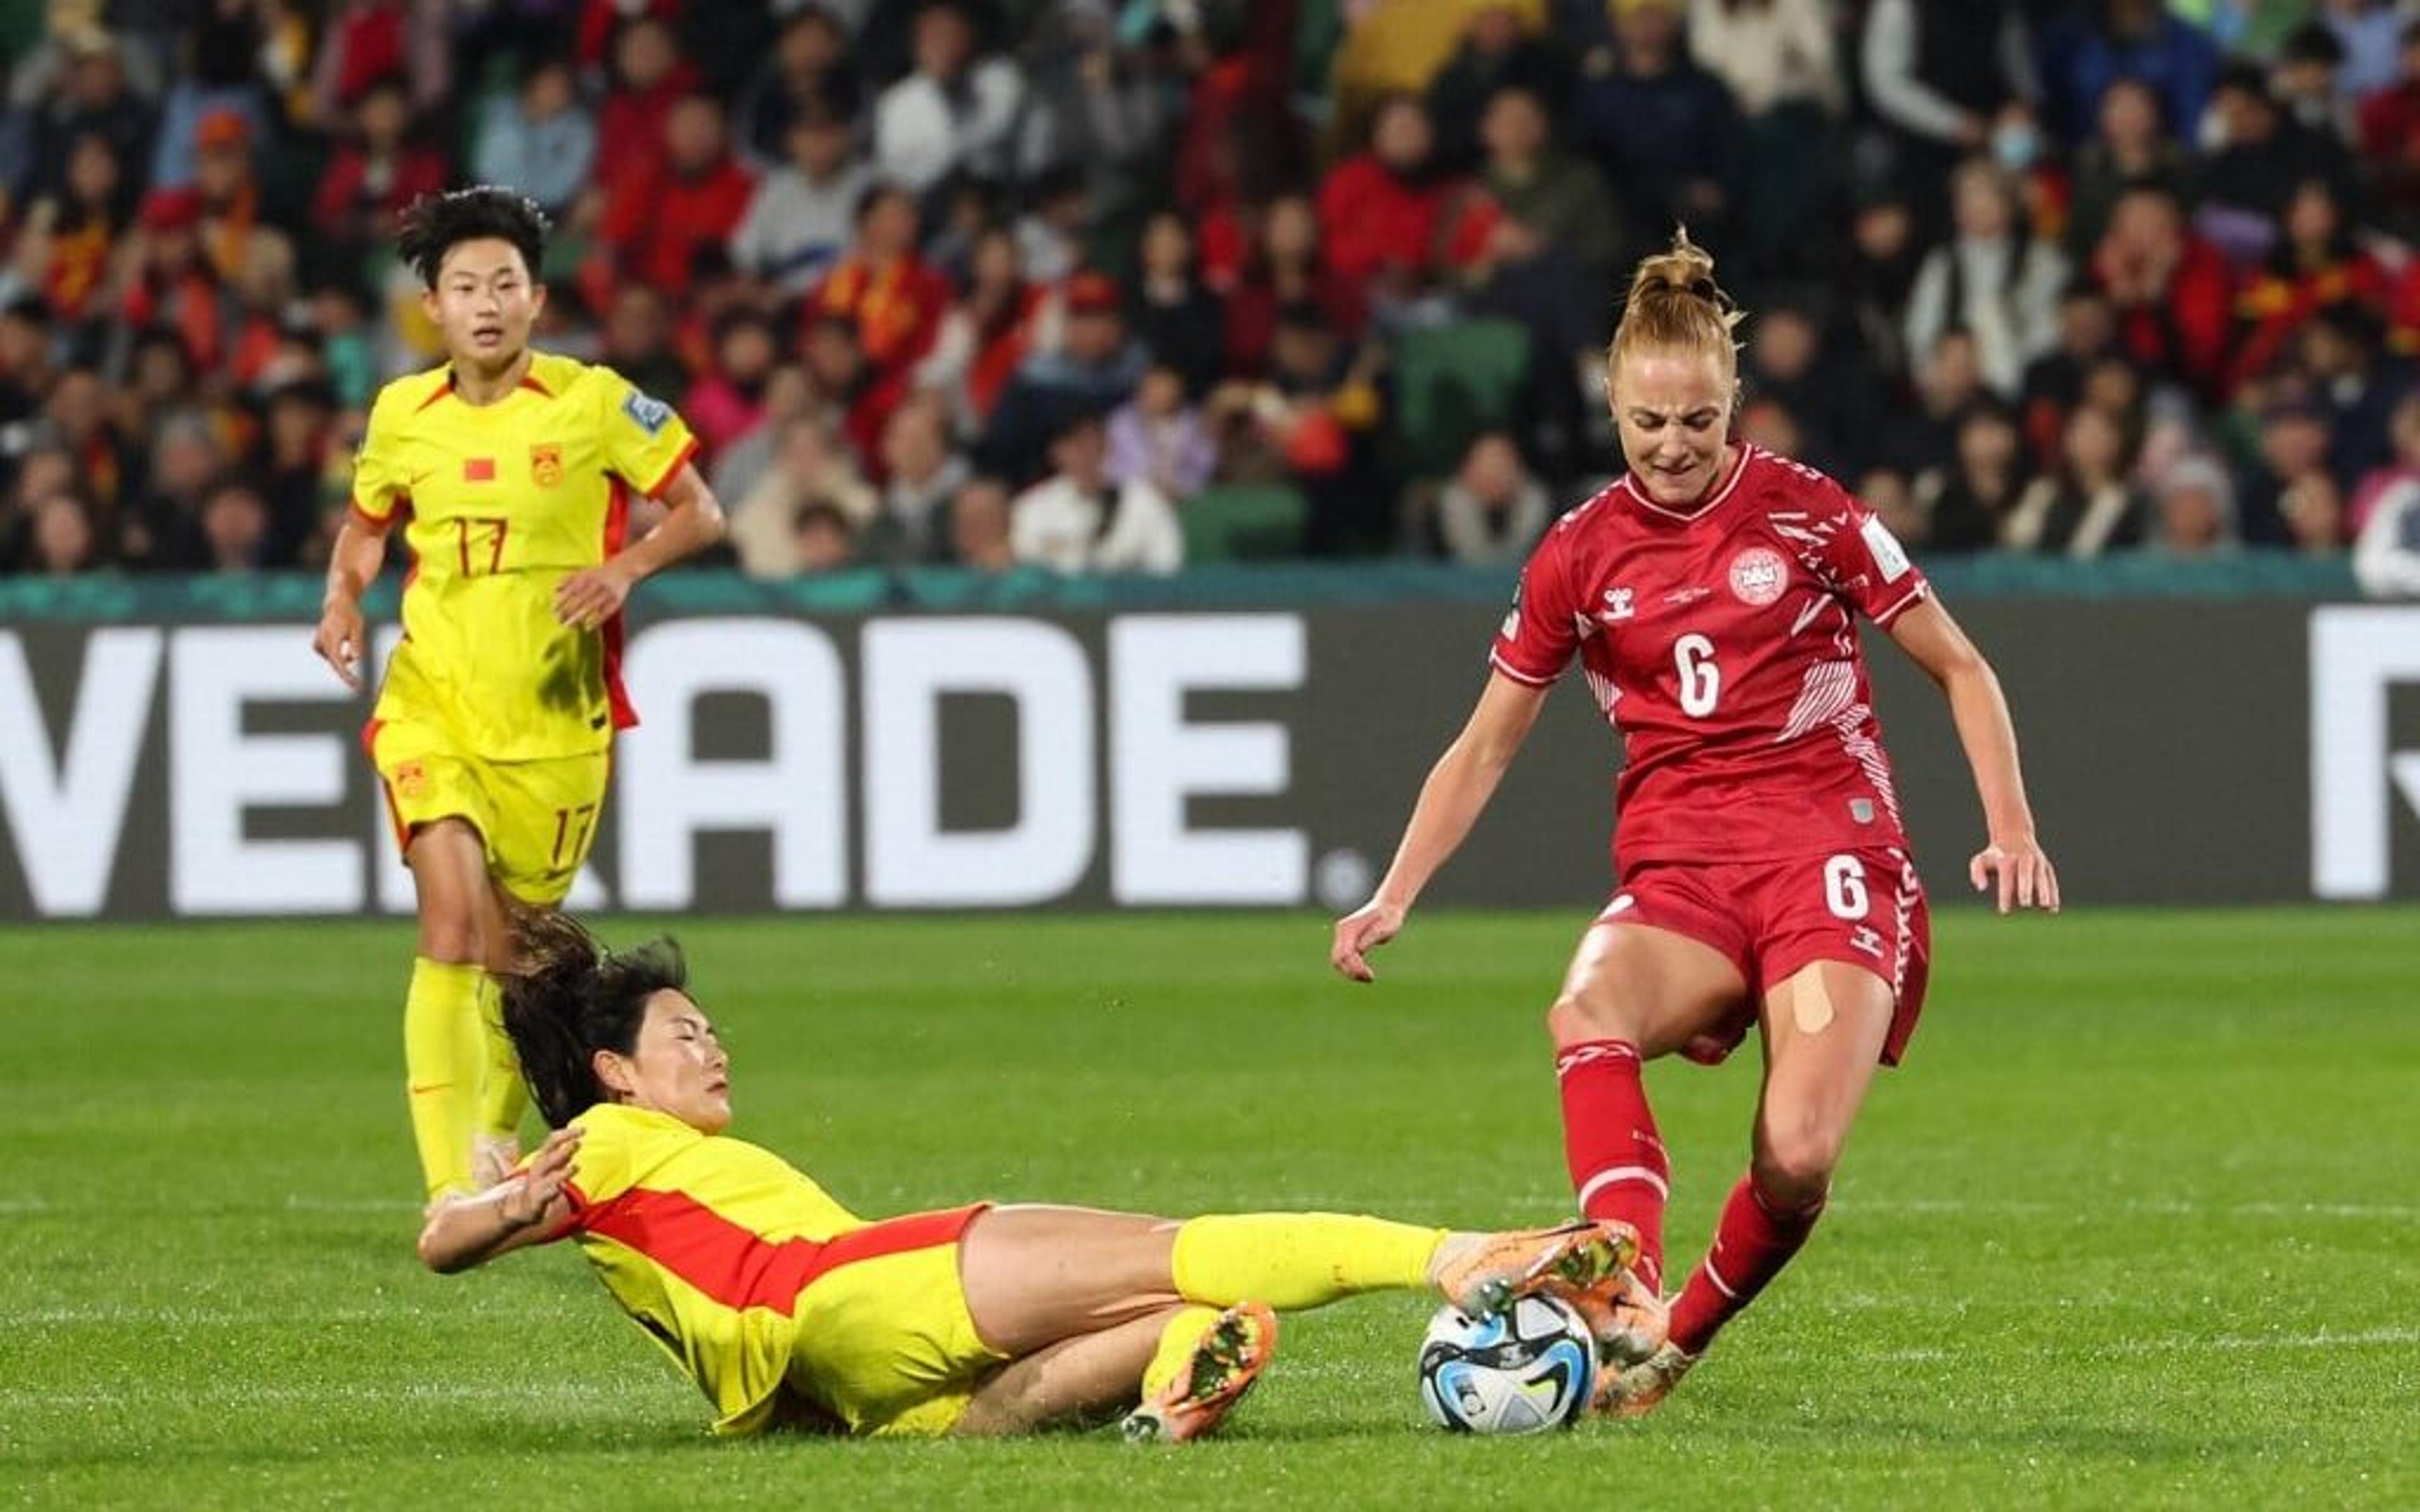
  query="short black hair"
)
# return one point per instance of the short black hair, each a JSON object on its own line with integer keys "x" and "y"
{"x": 435, "y": 224}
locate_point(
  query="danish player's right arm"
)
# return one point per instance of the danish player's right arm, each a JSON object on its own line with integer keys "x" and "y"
{"x": 1450, "y": 801}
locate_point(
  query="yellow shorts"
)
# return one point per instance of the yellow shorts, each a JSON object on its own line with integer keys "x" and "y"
{"x": 536, "y": 819}
{"x": 885, "y": 1343}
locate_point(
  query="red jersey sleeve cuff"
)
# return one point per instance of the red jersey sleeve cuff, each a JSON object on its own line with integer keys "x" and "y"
{"x": 367, "y": 520}
{"x": 1521, "y": 675}
{"x": 656, "y": 490}
{"x": 1914, "y": 596}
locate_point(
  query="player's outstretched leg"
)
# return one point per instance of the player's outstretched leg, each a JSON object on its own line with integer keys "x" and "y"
{"x": 1205, "y": 1362}
{"x": 1482, "y": 1273}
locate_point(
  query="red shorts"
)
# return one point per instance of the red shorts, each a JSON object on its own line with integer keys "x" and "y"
{"x": 1773, "y": 918}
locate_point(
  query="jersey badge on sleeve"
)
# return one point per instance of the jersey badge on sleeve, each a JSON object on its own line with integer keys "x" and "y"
{"x": 648, "y": 414}
{"x": 1758, "y": 575}
{"x": 546, "y": 464}
{"x": 1890, "y": 558}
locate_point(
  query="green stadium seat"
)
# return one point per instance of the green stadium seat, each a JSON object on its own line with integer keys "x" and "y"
{"x": 1451, "y": 383}
{"x": 1243, "y": 522}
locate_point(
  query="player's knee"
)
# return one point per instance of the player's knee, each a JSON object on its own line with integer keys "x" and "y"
{"x": 1795, "y": 1159}
{"x": 1575, "y": 1017}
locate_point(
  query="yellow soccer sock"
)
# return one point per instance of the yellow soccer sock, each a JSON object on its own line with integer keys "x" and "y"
{"x": 1293, "y": 1261}
{"x": 442, "y": 1059}
{"x": 503, "y": 1097}
{"x": 1177, "y": 1340}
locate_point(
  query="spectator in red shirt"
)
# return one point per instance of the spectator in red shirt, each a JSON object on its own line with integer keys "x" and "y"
{"x": 883, "y": 286}
{"x": 2169, "y": 290}
{"x": 375, "y": 175}
{"x": 1285, "y": 268}
{"x": 1379, "y": 208}
{"x": 649, "y": 78}
{"x": 657, "y": 222}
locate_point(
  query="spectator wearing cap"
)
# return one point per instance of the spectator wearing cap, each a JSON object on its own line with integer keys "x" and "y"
{"x": 1993, "y": 277}
{"x": 954, "y": 113}
{"x": 798, "y": 219}
{"x": 2193, "y": 516}
{"x": 1077, "y": 520}
{"x": 809, "y": 73}
{"x": 540, "y": 139}
{"x": 1097, "y": 366}
{"x": 1503, "y": 47}
{"x": 2107, "y": 40}
{"x": 657, "y": 222}
{"x": 1665, "y": 130}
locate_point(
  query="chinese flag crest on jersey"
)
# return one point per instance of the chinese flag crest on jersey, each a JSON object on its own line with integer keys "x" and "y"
{"x": 546, "y": 463}
{"x": 410, "y": 780}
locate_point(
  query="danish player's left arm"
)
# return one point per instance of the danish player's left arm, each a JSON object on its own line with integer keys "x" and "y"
{"x": 2013, "y": 858}
{"x": 692, "y": 520}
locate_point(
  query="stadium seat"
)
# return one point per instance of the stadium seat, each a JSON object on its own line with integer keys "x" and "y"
{"x": 1451, "y": 383}
{"x": 1243, "y": 522}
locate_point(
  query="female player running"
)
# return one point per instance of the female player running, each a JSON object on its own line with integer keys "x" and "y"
{"x": 511, "y": 472}
{"x": 1711, "y": 596}
{"x": 789, "y": 1310}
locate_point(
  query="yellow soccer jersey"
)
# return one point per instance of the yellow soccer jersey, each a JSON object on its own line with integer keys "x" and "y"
{"x": 499, "y": 503}
{"x": 705, "y": 1242}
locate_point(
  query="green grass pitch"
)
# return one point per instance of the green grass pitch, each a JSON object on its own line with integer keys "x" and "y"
{"x": 2134, "y": 1228}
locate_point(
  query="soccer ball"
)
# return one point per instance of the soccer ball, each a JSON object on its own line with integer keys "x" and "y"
{"x": 1523, "y": 1371}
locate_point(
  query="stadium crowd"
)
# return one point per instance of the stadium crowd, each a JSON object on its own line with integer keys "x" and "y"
{"x": 1111, "y": 285}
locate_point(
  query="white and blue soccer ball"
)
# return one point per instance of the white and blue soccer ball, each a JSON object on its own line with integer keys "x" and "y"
{"x": 1523, "y": 1370}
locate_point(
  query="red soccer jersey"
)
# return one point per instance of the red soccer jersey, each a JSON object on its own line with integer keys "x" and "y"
{"x": 1723, "y": 647}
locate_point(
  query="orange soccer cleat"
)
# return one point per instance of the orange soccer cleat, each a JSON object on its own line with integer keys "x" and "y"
{"x": 1636, "y": 1392}
{"x": 1483, "y": 1273}
{"x": 1630, "y": 1321}
{"x": 1229, "y": 1357}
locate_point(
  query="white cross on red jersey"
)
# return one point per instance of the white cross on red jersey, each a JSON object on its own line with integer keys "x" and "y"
{"x": 1723, "y": 647}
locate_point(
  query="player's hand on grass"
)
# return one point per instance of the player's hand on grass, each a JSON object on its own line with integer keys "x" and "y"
{"x": 2022, "y": 873}
{"x": 542, "y": 1181}
{"x": 592, "y": 595}
{"x": 1360, "y": 932}
{"x": 339, "y": 638}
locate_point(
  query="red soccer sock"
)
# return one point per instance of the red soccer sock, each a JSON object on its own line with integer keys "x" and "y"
{"x": 1752, "y": 1243}
{"x": 1617, "y": 1159}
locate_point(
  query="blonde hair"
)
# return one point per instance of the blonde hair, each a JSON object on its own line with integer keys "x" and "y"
{"x": 1674, "y": 302}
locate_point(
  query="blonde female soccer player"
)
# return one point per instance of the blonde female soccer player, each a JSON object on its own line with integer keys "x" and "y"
{"x": 511, "y": 473}
{"x": 1711, "y": 597}
{"x": 789, "y": 1310}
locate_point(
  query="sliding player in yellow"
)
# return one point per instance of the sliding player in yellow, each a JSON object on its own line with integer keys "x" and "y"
{"x": 789, "y": 1310}
{"x": 512, "y": 474}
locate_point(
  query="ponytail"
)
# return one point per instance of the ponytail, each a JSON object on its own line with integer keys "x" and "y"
{"x": 569, "y": 998}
